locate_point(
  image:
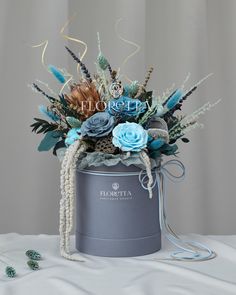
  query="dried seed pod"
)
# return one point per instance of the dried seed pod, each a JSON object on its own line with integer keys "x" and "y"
{"x": 105, "y": 145}
{"x": 84, "y": 99}
{"x": 157, "y": 127}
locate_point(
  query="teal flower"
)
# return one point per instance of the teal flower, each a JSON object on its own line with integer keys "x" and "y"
{"x": 73, "y": 135}
{"x": 98, "y": 125}
{"x": 130, "y": 137}
{"x": 126, "y": 106}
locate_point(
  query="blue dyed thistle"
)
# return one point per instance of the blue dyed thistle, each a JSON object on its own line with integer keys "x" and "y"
{"x": 10, "y": 272}
{"x": 33, "y": 264}
{"x": 33, "y": 255}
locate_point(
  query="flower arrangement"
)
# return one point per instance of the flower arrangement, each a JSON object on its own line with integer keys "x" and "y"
{"x": 102, "y": 116}
{"x": 130, "y": 117}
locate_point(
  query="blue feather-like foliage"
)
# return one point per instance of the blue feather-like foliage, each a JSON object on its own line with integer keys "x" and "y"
{"x": 49, "y": 114}
{"x": 174, "y": 99}
{"x": 57, "y": 74}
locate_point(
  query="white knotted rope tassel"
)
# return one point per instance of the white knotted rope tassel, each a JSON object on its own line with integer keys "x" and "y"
{"x": 146, "y": 161}
{"x": 68, "y": 170}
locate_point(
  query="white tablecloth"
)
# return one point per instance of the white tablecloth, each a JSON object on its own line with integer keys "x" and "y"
{"x": 116, "y": 276}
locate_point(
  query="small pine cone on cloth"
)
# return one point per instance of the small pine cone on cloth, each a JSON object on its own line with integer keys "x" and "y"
{"x": 84, "y": 99}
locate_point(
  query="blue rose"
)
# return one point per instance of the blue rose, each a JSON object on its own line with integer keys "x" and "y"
{"x": 130, "y": 137}
{"x": 126, "y": 106}
{"x": 98, "y": 125}
{"x": 73, "y": 135}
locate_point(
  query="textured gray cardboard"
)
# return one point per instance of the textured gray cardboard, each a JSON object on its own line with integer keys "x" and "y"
{"x": 115, "y": 216}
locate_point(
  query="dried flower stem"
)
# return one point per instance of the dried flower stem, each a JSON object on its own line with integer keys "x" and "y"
{"x": 38, "y": 89}
{"x": 147, "y": 78}
{"x": 82, "y": 66}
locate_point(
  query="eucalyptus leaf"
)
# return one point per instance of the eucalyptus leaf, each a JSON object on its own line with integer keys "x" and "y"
{"x": 49, "y": 140}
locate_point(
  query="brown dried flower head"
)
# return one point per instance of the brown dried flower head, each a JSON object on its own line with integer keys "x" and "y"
{"x": 84, "y": 99}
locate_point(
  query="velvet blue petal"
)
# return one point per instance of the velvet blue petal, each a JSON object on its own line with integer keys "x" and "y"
{"x": 57, "y": 74}
{"x": 156, "y": 144}
{"x": 43, "y": 110}
{"x": 174, "y": 99}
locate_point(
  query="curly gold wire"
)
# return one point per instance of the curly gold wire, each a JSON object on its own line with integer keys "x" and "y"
{"x": 128, "y": 42}
{"x": 74, "y": 39}
{"x": 66, "y": 83}
{"x": 45, "y": 44}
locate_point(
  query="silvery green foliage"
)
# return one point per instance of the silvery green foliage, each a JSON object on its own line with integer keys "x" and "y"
{"x": 97, "y": 159}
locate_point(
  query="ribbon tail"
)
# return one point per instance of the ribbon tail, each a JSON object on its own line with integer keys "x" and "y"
{"x": 188, "y": 250}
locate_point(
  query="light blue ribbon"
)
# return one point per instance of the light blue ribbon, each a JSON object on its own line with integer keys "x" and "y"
{"x": 189, "y": 250}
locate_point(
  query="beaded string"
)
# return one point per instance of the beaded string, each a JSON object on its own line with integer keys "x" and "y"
{"x": 68, "y": 196}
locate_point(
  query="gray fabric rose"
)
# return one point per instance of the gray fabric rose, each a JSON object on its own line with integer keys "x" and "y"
{"x": 98, "y": 125}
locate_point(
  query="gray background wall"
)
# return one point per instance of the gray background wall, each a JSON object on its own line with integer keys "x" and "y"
{"x": 177, "y": 37}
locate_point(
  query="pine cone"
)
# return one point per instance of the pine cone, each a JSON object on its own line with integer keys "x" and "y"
{"x": 105, "y": 145}
{"x": 84, "y": 99}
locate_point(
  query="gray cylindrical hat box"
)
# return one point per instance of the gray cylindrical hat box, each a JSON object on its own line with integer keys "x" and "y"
{"x": 114, "y": 215}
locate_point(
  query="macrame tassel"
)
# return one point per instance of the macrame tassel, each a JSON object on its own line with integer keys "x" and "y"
{"x": 146, "y": 161}
{"x": 68, "y": 196}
